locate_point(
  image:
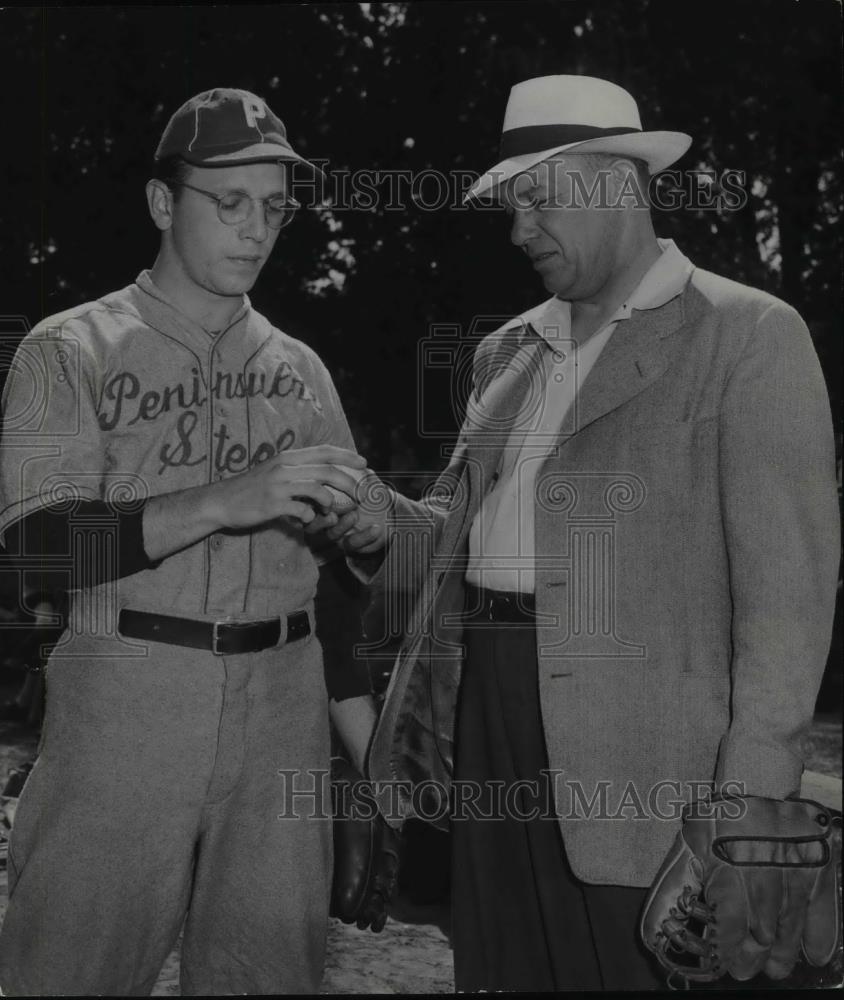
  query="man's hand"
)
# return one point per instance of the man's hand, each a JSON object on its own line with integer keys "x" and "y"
{"x": 356, "y": 538}
{"x": 363, "y": 530}
{"x": 291, "y": 484}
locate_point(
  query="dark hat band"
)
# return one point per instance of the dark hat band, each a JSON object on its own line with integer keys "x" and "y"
{"x": 535, "y": 138}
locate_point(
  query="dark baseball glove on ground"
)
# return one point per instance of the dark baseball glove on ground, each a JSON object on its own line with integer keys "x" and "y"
{"x": 367, "y": 852}
{"x": 748, "y": 884}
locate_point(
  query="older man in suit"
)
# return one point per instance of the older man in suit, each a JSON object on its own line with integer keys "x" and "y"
{"x": 624, "y": 589}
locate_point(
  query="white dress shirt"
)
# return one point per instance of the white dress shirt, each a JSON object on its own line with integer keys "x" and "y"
{"x": 501, "y": 539}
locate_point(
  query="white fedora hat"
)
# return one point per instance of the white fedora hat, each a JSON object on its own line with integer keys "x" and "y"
{"x": 554, "y": 114}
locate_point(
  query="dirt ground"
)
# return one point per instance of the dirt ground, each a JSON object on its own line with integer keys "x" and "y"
{"x": 412, "y": 953}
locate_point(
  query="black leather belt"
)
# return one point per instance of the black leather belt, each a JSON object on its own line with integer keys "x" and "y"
{"x": 223, "y": 638}
{"x": 501, "y": 606}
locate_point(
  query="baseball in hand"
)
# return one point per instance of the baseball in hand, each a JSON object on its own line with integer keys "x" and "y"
{"x": 342, "y": 501}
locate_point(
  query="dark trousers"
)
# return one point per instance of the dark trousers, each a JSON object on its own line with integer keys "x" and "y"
{"x": 521, "y": 920}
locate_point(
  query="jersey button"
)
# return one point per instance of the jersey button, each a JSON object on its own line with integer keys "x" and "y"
{"x": 216, "y": 541}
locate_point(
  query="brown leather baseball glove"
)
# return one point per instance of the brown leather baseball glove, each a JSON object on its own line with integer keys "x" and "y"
{"x": 748, "y": 883}
{"x": 367, "y": 852}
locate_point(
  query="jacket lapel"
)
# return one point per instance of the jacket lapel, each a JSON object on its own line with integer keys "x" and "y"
{"x": 510, "y": 395}
{"x": 636, "y": 355}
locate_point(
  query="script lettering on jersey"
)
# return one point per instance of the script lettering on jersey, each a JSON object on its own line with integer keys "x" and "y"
{"x": 128, "y": 401}
{"x": 231, "y": 458}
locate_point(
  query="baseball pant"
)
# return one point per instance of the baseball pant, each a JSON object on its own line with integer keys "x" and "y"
{"x": 158, "y": 794}
{"x": 521, "y": 921}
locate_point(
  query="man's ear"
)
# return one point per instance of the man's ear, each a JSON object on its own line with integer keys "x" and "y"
{"x": 625, "y": 185}
{"x": 160, "y": 202}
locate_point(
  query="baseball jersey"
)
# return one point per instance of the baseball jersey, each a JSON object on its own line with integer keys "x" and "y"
{"x": 126, "y": 398}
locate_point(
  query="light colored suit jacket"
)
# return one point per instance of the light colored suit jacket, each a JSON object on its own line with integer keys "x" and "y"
{"x": 687, "y": 550}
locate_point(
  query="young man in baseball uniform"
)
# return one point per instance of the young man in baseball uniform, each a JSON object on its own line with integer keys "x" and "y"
{"x": 167, "y": 445}
{"x": 629, "y": 597}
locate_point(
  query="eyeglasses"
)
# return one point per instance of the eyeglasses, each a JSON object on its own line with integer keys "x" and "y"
{"x": 235, "y": 207}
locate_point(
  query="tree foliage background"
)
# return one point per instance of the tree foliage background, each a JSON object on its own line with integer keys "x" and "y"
{"x": 415, "y": 86}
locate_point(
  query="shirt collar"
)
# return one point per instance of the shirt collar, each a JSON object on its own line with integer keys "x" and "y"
{"x": 663, "y": 281}
{"x": 168, "y": 305}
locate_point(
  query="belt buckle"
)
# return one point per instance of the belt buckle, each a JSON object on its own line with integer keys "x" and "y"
{"x": 215, "y": 638}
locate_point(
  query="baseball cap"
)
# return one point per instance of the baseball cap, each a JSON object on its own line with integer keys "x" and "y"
{"x": 226, "y": 126}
